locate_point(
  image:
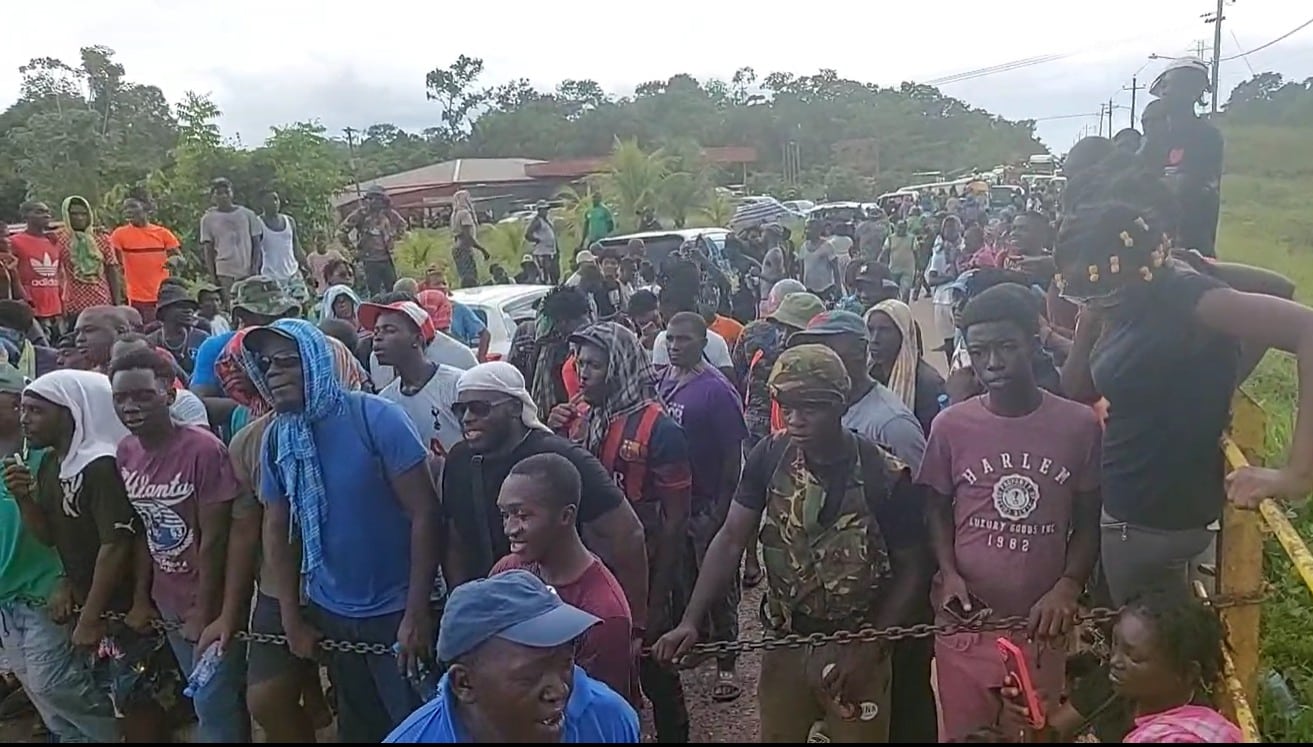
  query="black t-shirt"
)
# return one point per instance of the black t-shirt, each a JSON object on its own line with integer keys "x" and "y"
{"x": 899, "y": 513}
{"x": 1168, "y": 382}
{"x": 471, "y": 482}
{"x": 930, "y": 395}
{"x": 84, "y": 513}
{"x": 1190, "y": 152}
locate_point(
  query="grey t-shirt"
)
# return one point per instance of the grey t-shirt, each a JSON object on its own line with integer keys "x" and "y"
{"x": 232, "y": 235}
{"x": 818, "y": 270}
{"x": 883, "y": 418}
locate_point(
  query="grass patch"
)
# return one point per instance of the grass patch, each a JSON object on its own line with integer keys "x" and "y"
{"x": 1266, "y": 221}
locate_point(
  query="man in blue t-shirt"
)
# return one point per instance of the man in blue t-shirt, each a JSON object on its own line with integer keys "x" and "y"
{"x": 348, "y": 471}
{"x": 509, "y": 641}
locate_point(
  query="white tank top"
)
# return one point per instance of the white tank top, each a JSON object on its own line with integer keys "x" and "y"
{"x": 279, "y": 260}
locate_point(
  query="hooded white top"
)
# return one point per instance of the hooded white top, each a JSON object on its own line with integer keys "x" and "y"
{"x": 97, "y": 429}
{"x": 502, "y": 377}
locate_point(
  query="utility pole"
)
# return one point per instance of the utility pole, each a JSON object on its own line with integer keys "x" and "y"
{"x": 1111, "y": 132}
{"x": 351, "y": 159}
{"x": 1134, "y": 87}
{"x": 1216, "y": 19}
{"x": 1102, "y": 110}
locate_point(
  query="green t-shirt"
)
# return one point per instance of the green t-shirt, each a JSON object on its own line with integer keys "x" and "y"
{"x": 27, "y": 567}
{"x": 600, "y": 223}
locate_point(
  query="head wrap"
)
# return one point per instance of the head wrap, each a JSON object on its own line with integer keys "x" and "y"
{"x": 630, "y": 378}
{"x": 438, "y": 306}
{"x": 502, "y": 377}
{"x": 88, "y": 262}
{"x": 290, "y": 437}
{"x": 97, "y": 429}
{"x": 902, "y": 377}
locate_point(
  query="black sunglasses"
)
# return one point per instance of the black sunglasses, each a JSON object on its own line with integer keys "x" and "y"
{"x": 478, "y": 408}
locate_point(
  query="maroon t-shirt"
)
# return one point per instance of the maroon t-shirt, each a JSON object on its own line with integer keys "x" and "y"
{"x": 167, "y": 487}
{"x": 604, "y": 653}
{"x": 1013, "y": 481}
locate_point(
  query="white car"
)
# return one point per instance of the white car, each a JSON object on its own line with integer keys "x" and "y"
{"x": 502, "y": 308}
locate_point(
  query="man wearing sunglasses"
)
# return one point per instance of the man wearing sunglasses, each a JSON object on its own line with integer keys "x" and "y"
{"x": 500, "y": 425}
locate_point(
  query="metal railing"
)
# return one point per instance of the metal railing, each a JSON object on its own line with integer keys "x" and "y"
{"x": 1240, "y": 567}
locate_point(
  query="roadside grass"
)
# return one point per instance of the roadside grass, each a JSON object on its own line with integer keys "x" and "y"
{"x": 1267, "y": 220}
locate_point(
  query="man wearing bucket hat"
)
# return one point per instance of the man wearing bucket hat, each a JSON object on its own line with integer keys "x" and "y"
{"x": 176, "y": 312}
{"x": 754, "y": 355}
{"x": 880, "y": 416}
{"x": 873, "y": 411}
{"x": 512, "y": 678}
{"x": 257, "y": 301}
{"x": 799, "y": 483}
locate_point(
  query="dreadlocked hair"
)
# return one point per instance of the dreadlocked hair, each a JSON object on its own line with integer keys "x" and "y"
{"x": 564, "y": 302}
{"x": 1115, "y": 223}
{"x": 1187, "y": 630}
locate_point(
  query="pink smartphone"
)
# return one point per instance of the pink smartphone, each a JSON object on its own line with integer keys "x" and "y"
{"x": 1014, "y": 661}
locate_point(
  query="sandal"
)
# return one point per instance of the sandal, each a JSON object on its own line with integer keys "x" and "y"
{"x": 726, "y": 689}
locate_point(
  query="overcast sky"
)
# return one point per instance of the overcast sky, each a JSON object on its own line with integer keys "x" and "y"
{"x": 266, "y": 63}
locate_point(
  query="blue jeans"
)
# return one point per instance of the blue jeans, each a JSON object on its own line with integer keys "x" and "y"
{"x": 57, "y": 679}
{"x": 373, "y": 697}
{"x": 220, "y": 705}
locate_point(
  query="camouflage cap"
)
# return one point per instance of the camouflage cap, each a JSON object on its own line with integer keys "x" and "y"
{"x": 797, "y": 309}
{"x": 810, "y": 373}
{"x": 262, "y": 295}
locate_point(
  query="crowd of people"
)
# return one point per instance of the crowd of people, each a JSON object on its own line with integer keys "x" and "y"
{"x": 530, "y": 549}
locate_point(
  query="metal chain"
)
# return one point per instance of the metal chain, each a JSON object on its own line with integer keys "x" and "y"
{"x": 1096, "y": 617}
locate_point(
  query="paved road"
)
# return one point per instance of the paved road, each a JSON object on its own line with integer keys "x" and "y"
{"x": 924, "y": 314}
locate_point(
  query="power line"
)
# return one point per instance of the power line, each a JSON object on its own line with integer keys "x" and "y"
{"x": 1248, "y": 64}
{"x": 994, "y": 69}
{"x": 1279, "y": 39}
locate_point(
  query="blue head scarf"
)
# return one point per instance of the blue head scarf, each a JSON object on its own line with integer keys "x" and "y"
{"x": 291, "y": 437}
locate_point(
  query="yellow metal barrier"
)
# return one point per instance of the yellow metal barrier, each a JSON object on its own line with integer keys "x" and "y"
{"x": 1240, "y": 566}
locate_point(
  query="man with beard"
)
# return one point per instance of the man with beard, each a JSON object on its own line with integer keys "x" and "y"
{"x": 500, "y": 427}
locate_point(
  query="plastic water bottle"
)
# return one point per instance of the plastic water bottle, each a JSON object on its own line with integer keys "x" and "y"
{"x": 204, "y": 670}
{"x": 425, "y": 682}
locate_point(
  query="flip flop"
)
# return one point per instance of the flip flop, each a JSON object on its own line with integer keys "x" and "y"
{"x": 751, "y": 580}
{"x": 726, "y": 689}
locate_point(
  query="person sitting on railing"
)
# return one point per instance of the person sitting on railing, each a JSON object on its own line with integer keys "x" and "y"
{"x": 1162, "y": 343}
{"x": 1166, "y": 655}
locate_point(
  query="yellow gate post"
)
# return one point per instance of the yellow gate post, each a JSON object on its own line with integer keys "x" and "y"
{"x": 1240, "y": 555}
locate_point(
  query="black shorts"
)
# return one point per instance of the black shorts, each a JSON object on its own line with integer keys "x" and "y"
{"x": 265, "y": 661}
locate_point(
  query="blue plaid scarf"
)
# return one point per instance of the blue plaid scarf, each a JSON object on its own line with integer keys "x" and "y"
{"x": 291, "y": 436}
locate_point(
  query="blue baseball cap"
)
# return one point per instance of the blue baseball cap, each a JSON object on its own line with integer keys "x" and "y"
{"x": 515, "y": 606}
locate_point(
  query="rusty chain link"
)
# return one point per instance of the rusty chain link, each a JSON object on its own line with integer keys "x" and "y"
{"x": 1095, "y": 616}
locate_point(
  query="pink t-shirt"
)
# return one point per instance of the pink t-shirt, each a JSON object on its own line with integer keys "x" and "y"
{"x": 604, "y": 653}
{"x": 167, "y": 487}
{"x": 1187, "y": 724}
{"x": 1012, "y": 481}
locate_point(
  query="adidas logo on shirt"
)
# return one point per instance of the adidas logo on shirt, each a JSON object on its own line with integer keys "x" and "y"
{"x": 47, "y": 272}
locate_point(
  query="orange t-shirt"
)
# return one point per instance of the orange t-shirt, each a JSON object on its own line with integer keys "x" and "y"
{"x": 727, "y": 328}
{"x": 144, "y": 250}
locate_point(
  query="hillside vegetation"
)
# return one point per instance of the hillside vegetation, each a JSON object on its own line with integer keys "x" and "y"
{"x": 1267, "y": 220}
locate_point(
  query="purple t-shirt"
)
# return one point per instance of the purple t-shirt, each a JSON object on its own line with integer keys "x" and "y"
{"x": 1012, "y": 481}
{"x": 167, "y": 487}
{"x": 709, "y": 410}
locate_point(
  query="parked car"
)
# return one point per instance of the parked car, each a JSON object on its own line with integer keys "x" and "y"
{"x": 659, "y": 244}
{"x": 502, "y": 308}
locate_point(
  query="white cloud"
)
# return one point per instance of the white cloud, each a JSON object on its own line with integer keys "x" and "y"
{"x": 268, "y": 63}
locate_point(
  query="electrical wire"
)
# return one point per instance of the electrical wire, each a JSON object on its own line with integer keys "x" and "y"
{"x": 1248, "y": 64}
{"x": 1281, "y": 38}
